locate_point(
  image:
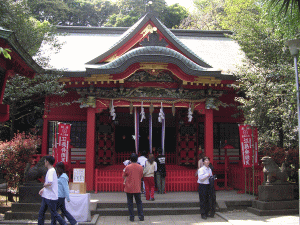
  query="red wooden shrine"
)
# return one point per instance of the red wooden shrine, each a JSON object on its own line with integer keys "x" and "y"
{"x": 148, "y": 66}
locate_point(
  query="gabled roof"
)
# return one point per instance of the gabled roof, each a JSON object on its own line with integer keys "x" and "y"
{"x": 151, "y": 54}
{"x": 136, "y": 28}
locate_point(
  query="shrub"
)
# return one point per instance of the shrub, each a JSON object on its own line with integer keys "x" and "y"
{"x": 14, "y": 155}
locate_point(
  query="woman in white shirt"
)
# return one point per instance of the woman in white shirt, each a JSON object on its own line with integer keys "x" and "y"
{"x": 203, "y": 179}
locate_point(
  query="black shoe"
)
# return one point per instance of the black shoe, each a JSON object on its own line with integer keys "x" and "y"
{"x": 141, "y": 218}
{"x": 203, "y": 216}
{"x": 131, "y": 219}
{"x": 211, "y": 215}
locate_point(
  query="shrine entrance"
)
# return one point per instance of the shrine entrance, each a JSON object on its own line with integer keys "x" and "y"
{"x": 121, "y": 133}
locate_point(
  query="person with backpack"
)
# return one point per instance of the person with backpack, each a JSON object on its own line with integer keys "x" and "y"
{"x": 161, "y": 172}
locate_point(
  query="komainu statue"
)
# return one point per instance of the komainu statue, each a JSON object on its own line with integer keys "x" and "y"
{"x": 273, "y": 174}
{"x": 36, "y": 172}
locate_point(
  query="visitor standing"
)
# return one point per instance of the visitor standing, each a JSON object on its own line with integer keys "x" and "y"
{"x": 63, "y": 192}
{"x": 49, "y": 194}
{"x": 133, "y": 174}
{"x": 141, "y": 160}
{"x": 161, "y": 172}
{"x": 200, "y": 161}
{"x": 204, "y": 173}
{"x": 149, "y": 170}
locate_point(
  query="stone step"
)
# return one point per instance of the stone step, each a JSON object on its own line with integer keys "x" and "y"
{"x": 260, "y": 212}
{"x": 275, "y": 205}
{"x": 24, "y": 215}
{"x": 147, "y": 211}
{"x": 25, "y": 207}
{"x": 153, "y": 204}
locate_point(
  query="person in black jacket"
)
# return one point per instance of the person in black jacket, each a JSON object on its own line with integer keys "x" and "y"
{"x": 161, "y": 172}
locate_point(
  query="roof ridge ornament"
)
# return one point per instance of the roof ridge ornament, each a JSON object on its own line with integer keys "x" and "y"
{"x": 153, "y": 40}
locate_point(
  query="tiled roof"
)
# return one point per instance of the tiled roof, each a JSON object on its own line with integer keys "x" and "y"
{"x": 151, "y": 54}
{"x": 82, "y": 44}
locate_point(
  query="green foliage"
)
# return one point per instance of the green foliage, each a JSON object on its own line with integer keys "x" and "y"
{"x": 30, "y": 33}
{"x": 173, "y": 15}
{"x": 14, "y": 155}
{"x": 5, "y": 51}
{"x": 267, "y": 77}
{"x": 72, "y": 12}
{"x": 207, "y": 16}
{"x": 128, "y": 12}
{"x": 26, "y": 99}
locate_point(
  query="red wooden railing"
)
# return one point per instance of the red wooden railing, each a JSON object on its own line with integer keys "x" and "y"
{"x": 181, "y": 180}
{"x": 178, "y": 178}
{"x": 237, "y": 179}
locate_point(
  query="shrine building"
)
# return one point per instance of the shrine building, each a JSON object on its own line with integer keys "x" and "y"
{"x": 143, "y": 88}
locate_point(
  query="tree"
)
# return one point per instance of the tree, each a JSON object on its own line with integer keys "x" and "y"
{"x": 129, "y": 11}
{"x": 25, "y": 96}
{"x": 267, "y": 77}
{"x": 173, "y": 15}
{"x": 72, "y": 12}
{"x": 26, "y": 100}
{"x": 207, "y": 16}
{"x": 285, "y": 5}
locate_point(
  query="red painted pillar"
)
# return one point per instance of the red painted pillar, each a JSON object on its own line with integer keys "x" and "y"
{"x": 209, "y": 134}
{"x": 90, "y": 149}
{"x": 45, "y": 136}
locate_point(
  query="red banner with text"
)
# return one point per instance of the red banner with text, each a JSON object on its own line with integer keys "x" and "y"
{"x": 63, "y": 143}
{"x": 247, "y": 144}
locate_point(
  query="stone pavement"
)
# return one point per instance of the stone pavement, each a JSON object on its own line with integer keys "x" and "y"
{"x": 223, "y": 217}
{"x": 229, "y": 217}
{"x": 236, "y": 217}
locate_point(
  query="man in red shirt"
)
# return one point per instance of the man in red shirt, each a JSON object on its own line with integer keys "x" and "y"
{"x": 132, "y": 175}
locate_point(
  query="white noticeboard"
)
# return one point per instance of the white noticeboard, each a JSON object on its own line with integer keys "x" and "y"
{"x": 78, "y": 175}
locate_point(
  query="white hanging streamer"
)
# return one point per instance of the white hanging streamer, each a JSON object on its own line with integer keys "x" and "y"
{"x": 142, "y": 113}
{"x": 112, "y": 110}
{"x": 161, "y": 115}
{"x": 190, "y": 114}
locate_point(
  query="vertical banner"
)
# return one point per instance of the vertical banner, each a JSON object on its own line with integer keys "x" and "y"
{"x": 150, "y": 132}
{"x": 163, "y": 136}
{"x": 246, "y": 144}
{"x": 136, "y": 130}
{"x": 63, "y": 142}
{"x": 255, "y": 140}
{"x": 54, "y": 145}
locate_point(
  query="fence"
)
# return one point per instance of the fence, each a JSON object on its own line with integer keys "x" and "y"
{"x": 177, "y": 179}
{"x": 238, "y": 176}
